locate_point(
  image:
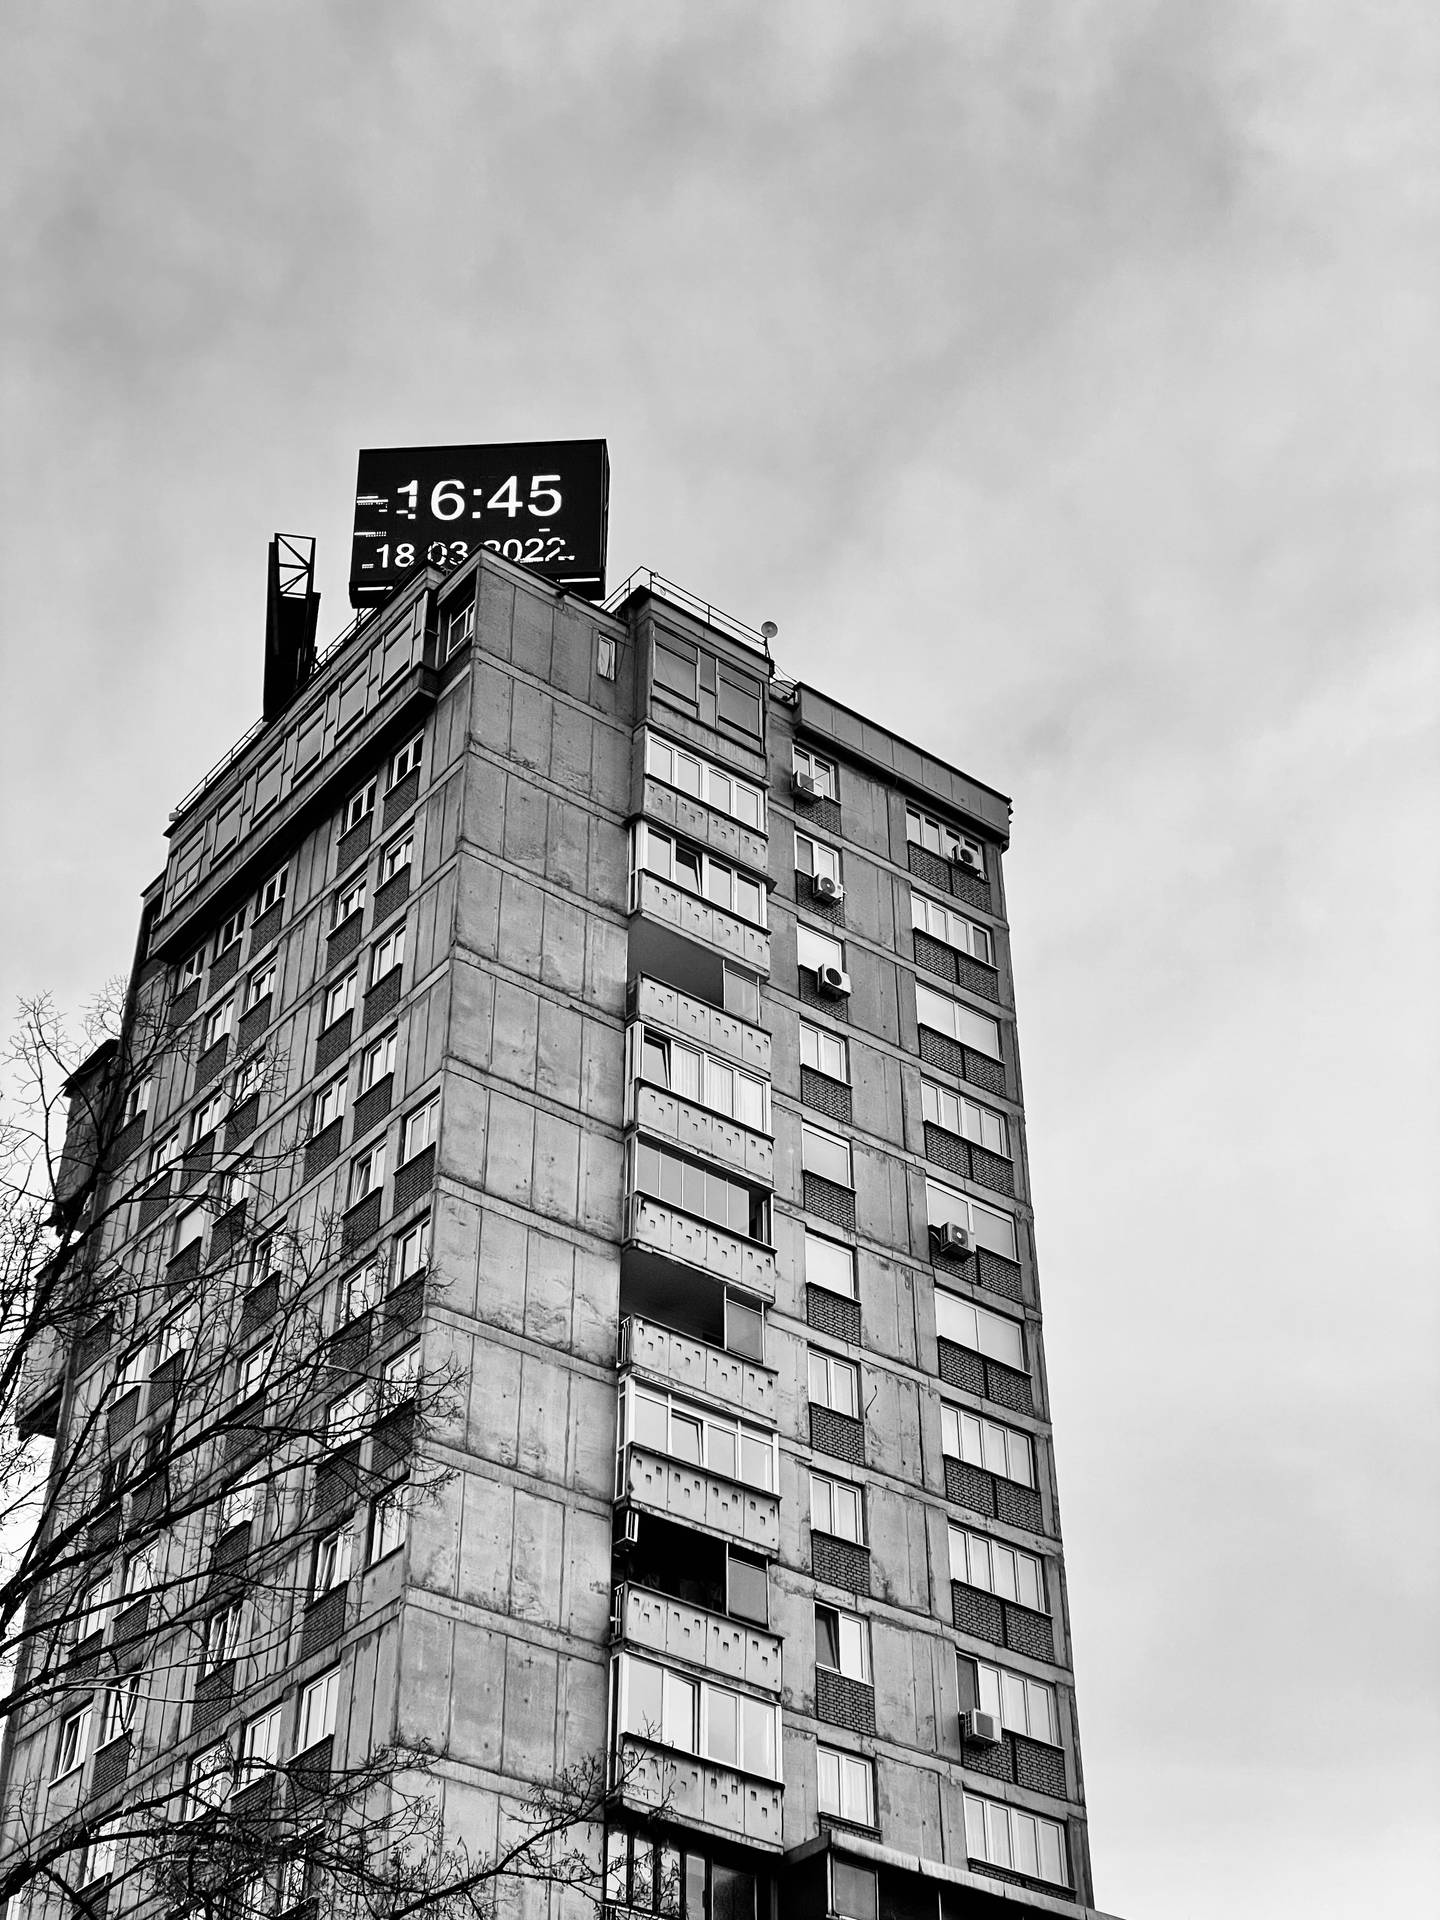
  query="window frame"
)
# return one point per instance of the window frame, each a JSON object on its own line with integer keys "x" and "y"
{"x": 823, "y": 1369}
{"x": 273, "y": 892}
{"x": 372, "y": 1163}
{"x": 757, "y": 1200}
{"x": 318, "y": 1707}
{"x": 831, "y": 1483}
{"x": 832, "y": 1143}
{"x": 217, "y": 1023}
{"x": 936, "y": 841}
{"x": 329, "y": 1105}
{"x": 959, "y": 1021}
{"x": 986, "y": 1821}
{"x": 961, "y": 1307}
{"x": 462, "y": 615}
{"x": 419, "y": 1232}
{"x": 389, "y": 1523}
{"x": 390, "y": 948}
{"x": 824, "y": 772}
{"x": 259, "y": 1746}
{"x": 707, "y": 867}
{"x": 979, "y": 1441}
{"x": 852, "y": 1292}
{"x": 844, "y": 1766}
{"x": 954, "y": 930}
{"x": 854, "y": 1668}
{"x": 360, "y": 805}
{"x": 963, "y": 1209}
{"x": 978, "y": 1559}
{"x": 947, "y": 1108}
{"x": 811, "y": 938}
{"x": 709, "y": 782}
{"x": 991, "y": 1697}
{"x": 384, "y": 1045}
{"x": 747, "y": 1090}
{"x": 808, "y": 861}
{"x": 259, "y": 985}
{"x": 406, "y": 760}
{"x": 190, "y": 972}
{"x": 230, "y": 930}
{"x": 815, "y": 1040}
{"x": 391, "y": 860}
{"x": 334, "y": 1553}
{"x": 72, "y": 1742}
{"x": 423, "y": 1120}
{"x": 207, "y": 1118}
{"x": 339, "y": 999}
{"x": 690, "y": 1706}
{"x": 350, "y": 900}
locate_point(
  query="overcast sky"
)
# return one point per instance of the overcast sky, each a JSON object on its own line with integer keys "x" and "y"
{"x": 1061, "y": 378}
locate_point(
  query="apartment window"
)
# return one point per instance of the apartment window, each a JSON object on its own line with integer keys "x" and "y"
{"x": 350, "y": 901}
{"x": 177, "y": 1335}
{"x": 821, "y": 771}
{"x": 985, "y": 1443}
{"x": 418, "y": 1130}
{"x": 1019, "y": 1703}
{"x": 224, "y": 1635}
{"x": 747, "y": 1594}
{"x": 97, "y": 1862}
{"x": 131, "y": 1371}
{"x": 847, "y": 1785}
{"x": 273, "y": 892}
{"x": 400, "y": 1382}
{"x": 189, "y": 1229}
{"x": 957, "y": 1021}
{"x": 398, "y": 854}
{"x": 211, "y": 1778}
{"x": 837, "y": 1506}
{"x": 740, "y": 992}
{"x": 699, "y": 873}
{"x": 216, "y": 1024}
{"x": 230, "y": 931}
{"x": 854, "y": 1891}
{"x": 825, "y": 1154}
{"x": 389, "y": 1523}
{"x": 842, "y": 1643}
{"x": 117, "y": 1714}
{"x": 731, "y": 1448}
{"x": 260, "y": 985}
{"x": 967, "y": 1325}
{"x": 73, "y": 1744}
{"x": 727, "y": 1728}
{"x": 675, "y": 671}
{"x": 377, "y": 1061}
{"x": 701, "y": 1191}
{"x": 814, "y": 858}
{"x": 259, "y": 1746}
{"x": 978, "y": 1561}
{"x": 238, "y": 1506}
{"x": 329, "y": 1105}
{"x": 253, "y": 1374}
{"x": 459, "y": 627}
{"x": 406, "y": 761}
{"x": 693, "y": 1074}
{"x": 347, "y": 1418}
{"x": 318, "y": 1702}
{"x": 359, "y": 806}
{"x": 137, "y": 1101}
{"x": 332, "y": 1562}
{"x": 952, "y": 1111}
{"x": 704, "y": 781}
{"x": 233, "y": 1189}
{"x": 737, "y": 703}
{"x": 165, "y": 1151}
{"x": 339, "y": 999}
{"x": 830, "y": 1265}
{"x": 387, "y": 954}
{"x": 827, "y": 1053}
{"x": 412, "y": 1252}
{"x": 138, "y": 1573}
{"x": 249, "y": 1078}
{"x": 990, "y": 1227}
{"x": 951, "y": 929}
{"x": 834, "y": 1383}
{"x": 936, "y": 837}
{"x": 358, "y": 1293}
{"x": 188, "y": 974}
{"x": 744, "y": 1329}
{"x": 1011, "y": 1838}
{"x": 813, "y": 950}
{"x": 207, "y": 1117}
{"x": 95, "y": 1608}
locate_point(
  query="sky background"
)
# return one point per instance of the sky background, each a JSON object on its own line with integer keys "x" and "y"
{"x": 1061, "y": 378}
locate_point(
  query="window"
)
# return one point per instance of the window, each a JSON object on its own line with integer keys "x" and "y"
{"x": 412, "y": 1252}
{"x": 834, "y": 1383}
{"x": 746, "y": 1588}
{"x": 189, "y": 1229}
{"x": 259, "y": 1746}
{"x": 253, "y": 1374}
{"x": 138, "y": 1573}
{"x": 233, "y": 1189}
{"x": 347, "y": 1418}
{"x": 418, "y": 1130}
{"x": 990, "y": 1227}
{"x": 842, "y": 1643}
{"x": 377, "y": 1061}
{"x": 830, "y": 1265}
{"x": 260, "y": 985}
{"x": 822, "y": 772}
{"x": 249, "y": 1078}
{"x": 349, "y": 901}
{"x": 847, "y": 1785}
{"x": 188, "y": 974}
{"x": 816, "y": 950}
{"x": 358, "y": 1293}
{"x": 744, "y": 1329}
{"x": 397, "y": 856}
{"x": 729, "y": 1729}
{"x": 740, "y": 992}
{"x": 177, "y": 1335}
{"x": 956, "y": 1114}
{"x": 212, "y": 1774}
{"x": 1023, "y": 1705}
{"x": 216, "y": 1024}
{"x": 401, "y": 1380}
{"x": 359, "y": 806}
{"x": 957, "y": 1021}
{"x": 988, "y": 1444}
{"x": 137, "y": 1100}
{"x": 97, "y": 1861}
{"x": 738, "y": 703}
{"x": 317, "y": 1710}
{"x": 273, "y": 892}
{"x": 967, "y": 1325}
{"x": 825, "y": 1154}
{"x": 329, "y": 1105}
{"x": 238, "y": 1507}
{"x": 825, "y": 1052}
{"x": 224, "y": 1635}
{"x": 675, "y": 671}
{"x": 389, "y": 1523}
{"x": 953, "y": 929}
{"x": 977, "y": 1561}
{"x": 230, "y": 931}
{"x": 73, "y": 1744}
{"x": 131, "y": 1371}
{"x": 721, "y": 1445}
{"x": 95, "y": 1608}
{"x": 699, "y": 1190}
{"x": 704, "y": 781}
{"x": 406, "y": 761}
{"x": 332, "y": 1562}
{"x": 339, "y": 1000}
{"x": 206, "y": 1117}
{"x": 700, "y": 873}
{"x": 938, "y": 838}
{"x": 165, "y": 1151}
{"x": 837, "y": 1507}
{"x": 387, "y": 954}
{"x": 1011, "y": 1838}
{"x": 459, "y": 627}
{"x": 709, "y": 1081}
{"x": 813, "y": 857}
{"x": 854, "y": 1891}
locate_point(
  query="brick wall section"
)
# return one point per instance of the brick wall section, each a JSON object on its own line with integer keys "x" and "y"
{"x": 154, "y": 1201}
{"x": 212, "y": 1062}
{"x": 122, "y": 1416}
{"x": 806, "y": 898}
{"x": 165, "y": 1383}
{"x": 360, "y": 1223}
{"x": 976, "y": 977}
{"x": 839, "y": 1563}
{"x": 227, "y": 1232}
{"x": 402, "y": 796}
{"x": 94, "y": 1345}
{"x": 337, "y": 1478}
{"x": 128, "y": 1640}
{"x": 947, "y": 1150}
{"x": 948, "y": 1056}
{"x": 382, "y": 997}
{"x": 182, "y": 1007}
{"x": 321, "y": 1150}
{"x": 969, "y": 1487}
{"x": 844, "y": 1702}
{"x": 254, "y": 1023}
{"x": 112, "y": 1763}
{"x": 310, "y": 1773}
{"x": 990, "y": 1170}
{"x": 818, "y": 816}
{"x": 1000, "y": 1275}
{"x": 242, "y": 1122}
{"x": 1037, "y": 1766}
{"x": 333, "y": 1041}
{"x": 832, "y": 1202}
{"x": 838, "y": 1435}
{"x": 127, "y": 1140}
{"x": 414, "y": 1180}
{"x": 934, "y": 956}
{"x": 1028, "y": 1632}
{"x": 832, "y": 1313}
{"x": 1018, "y": 1506}
{"x": 945, "y": 876}
{"x": 344, "y": 939}
{"x": 224, "y": 966}
{"x": 403, "y": 1306}
{"x": 197, "y": 1161}
{"x": 989, "y": 1379}
{"x": 961, "y": 1368}
{"x": 827, "y": 1096}
{"x": 394, "y": 894}
{"x": 324, "y": 1622}
{"x": 373, "y": 1105}
{"x": 266, "y": 928}
{"x": 811, "y": 996}
{"x": 1008, "y": 1387}
{"x": 260, "y": 1305}
{"x": 352, "y": 844}
{"x": 185, "y": 1264}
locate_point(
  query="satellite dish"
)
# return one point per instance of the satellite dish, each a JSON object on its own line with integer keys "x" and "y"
{"x": 769, "y": 630}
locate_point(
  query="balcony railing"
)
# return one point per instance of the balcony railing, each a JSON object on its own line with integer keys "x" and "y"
{"x": 714, "y": 1250}
{"x": 678, "y": 1491}
{"x": 698, "y": 920}
{"x": 698, "y": 1793}
{"x": 714, "y": 1641}
{"x": 698, "y": 1130}
{"x": 742, "y": 1385}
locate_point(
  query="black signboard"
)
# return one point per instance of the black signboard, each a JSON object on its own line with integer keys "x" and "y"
{"x": 543, "y": 503}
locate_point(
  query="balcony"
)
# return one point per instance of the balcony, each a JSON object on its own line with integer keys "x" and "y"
{"x": 698, "y": 920}
{"x": 698, "y": 1793}
{"x": 708, "y": 1026}
{"x": 676, "y": 1360}
{"x": 42, "y": 1375}
{"x": 678, "y": 1491}
{"x": 657, "y": 1624}
{"x": 724, "y": 1255}
{"x": 705, "y": 825}
{"x": 698, "y": 1130}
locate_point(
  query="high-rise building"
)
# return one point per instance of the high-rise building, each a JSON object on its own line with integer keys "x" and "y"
{"x": 643, "y": 1025}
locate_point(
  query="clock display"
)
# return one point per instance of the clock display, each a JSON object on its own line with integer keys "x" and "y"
{"x": 542, "y": 503}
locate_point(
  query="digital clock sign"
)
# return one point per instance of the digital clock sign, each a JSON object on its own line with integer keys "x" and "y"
{"x": 542, "y": 503}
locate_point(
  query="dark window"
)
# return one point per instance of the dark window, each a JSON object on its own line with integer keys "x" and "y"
{"x": 737, "y": 703}
{"x": 675, "y": 671}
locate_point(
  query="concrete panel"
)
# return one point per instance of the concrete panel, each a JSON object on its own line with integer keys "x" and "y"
{"x": 530, "y": 710}
{"x": 490, "y": 706}
{"x": 908, "y": 1806}
{"x": 486, "y": 1530}
{"x": 532, "y": 1684}
{"x": 427, "y": 1655}
{"x": 472, "y": 1007}
{"x": 572, "y": 658}
{"x": 522, "y": 907}
{"x": 567, "y": 845}
{"x": 485, "y": 785}
{"x": 571, "y": 748}
{"x": 526, "y": 825}
{"x": 501, "y": 1292}
{"x": 544, "y": 1404}
{"x": 592, "y": 1435}
{"x": 583, "y": 1710}
{"x": 600, "y": 1202}
{"x": 555, "y": 1185}
{"x": 558, "y": 1053}
{"x": 479, "y": 1705}
{"x": 467, "y": 1123}
{"x": 515, "y": 1035}
{"x": 510, "y": 1147}
{"x": 435, "y": 1538}
{"x": 596, "y": 1306}
{"x": 609, "y": 864}
{"x": 537, "y": 1559}
{"x": 492, "y": 1426}
{"x": 587, "y": 1574}
{"x": 561, "y": 951}
{"x": 549, "y": 1288}
{"x": 478, "y": 907}
{"x": 605, "y": 965}
{"x": 530, "y": 634}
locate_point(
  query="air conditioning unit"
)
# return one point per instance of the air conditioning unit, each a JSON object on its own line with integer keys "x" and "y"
{"x": 806, "y": 787}
{"x": 951, "y": 1237}
{"x": 968, "y": 857}
{"x": 824, "y": 888}
{"x": 979, "y": 1729}
{"x": 833, "y": 982}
